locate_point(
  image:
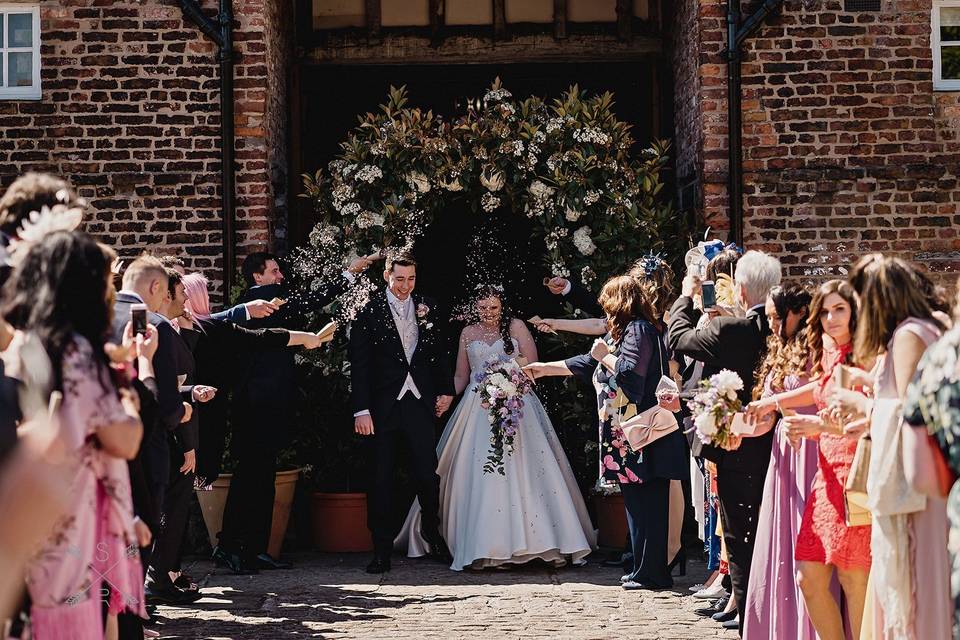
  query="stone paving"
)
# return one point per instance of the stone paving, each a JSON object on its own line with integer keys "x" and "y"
{"x": 330, "y": 596}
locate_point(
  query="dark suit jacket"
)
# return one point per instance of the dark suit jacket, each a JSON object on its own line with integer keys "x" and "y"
{"x": 187, "y": 434}
{"x": 378, "y": 364}
{"x": 738, "y": 344}
{"x": 169, "y": 403}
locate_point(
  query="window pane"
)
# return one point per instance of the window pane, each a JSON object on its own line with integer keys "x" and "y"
{"x": 950, "y": 63}
{"x": 20, "y": 32}
{"x": 19, "y": 68}
{"x": 950, "y": 24}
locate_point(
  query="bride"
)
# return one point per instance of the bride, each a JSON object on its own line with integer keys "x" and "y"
{"x": 533, "y": 511}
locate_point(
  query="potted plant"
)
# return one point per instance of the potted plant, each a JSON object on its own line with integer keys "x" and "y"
{"x": 213, "y": 502}
{"x": 611, "y": 516}
{"x": 332, "y": 456}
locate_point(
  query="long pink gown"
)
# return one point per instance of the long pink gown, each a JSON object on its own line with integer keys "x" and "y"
{"x": 93, "y": 547}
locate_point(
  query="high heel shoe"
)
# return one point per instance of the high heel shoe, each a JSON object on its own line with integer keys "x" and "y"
{"x": 679, "y": 560}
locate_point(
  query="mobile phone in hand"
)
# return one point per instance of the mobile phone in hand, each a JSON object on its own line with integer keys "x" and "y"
{"x": 708, "y": 293}
{"x": 138, "y": 318}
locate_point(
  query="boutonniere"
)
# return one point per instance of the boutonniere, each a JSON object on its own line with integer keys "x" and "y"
{"x": 422, "y": 312}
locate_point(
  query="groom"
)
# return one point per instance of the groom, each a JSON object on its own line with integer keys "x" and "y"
{"x": 401, "y": 381}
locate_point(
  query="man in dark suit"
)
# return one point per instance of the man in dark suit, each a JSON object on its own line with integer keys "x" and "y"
{"x": 400, "y": 382}
{"x": 577, "y": 295}
{"x": 162, "y": 409}
{"x": 738, "y": 344}
{"x": 265, "y": 395}
{"x": 183, "y": 443}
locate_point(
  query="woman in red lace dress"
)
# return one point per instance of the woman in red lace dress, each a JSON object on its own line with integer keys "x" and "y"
{"x": 825, "y": 543}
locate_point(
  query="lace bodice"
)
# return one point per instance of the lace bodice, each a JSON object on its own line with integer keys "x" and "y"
{"x": 479, "y": 353}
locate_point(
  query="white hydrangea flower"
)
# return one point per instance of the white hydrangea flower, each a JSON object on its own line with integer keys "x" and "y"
{"x": 489, "y": 202}
{"x": 368, "y": 173}
{"x": 727, "y": 382}
{"x": 592, "y": 197}
{"x": 583, "y": 242}
{"x": 540, "y": 190}
{"x": 706, "y": 423}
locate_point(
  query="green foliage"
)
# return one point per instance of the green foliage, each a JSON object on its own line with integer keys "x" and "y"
{"x": 566, "y": 164}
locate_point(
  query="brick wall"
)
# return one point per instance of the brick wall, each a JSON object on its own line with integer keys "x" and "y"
{"x": 130, "y": 114}
{"x": 847, "y": 148}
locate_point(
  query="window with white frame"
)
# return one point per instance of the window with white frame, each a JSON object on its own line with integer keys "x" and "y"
{"x": 945, "y": 40}
{"x": 19, "y": 51}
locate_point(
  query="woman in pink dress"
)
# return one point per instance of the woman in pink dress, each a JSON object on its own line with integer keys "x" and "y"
{"x": 901, "y": 316}
{"x": 60, "y": 299}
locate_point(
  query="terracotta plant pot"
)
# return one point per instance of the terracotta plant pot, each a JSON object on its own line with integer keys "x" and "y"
{"x": 213, "y": 502}
{"x": 611, "y": 520}
{"x": 339, "y": 522}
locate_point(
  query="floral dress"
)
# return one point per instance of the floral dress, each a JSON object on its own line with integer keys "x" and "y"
{"x": 623, "y": 393}
{"x": 93, "y": 546}
{"x": 933, "y": 400}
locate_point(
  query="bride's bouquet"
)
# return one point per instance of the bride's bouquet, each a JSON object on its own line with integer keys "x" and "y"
{"x": 502, "y": 385}
{"x": 714, "y": 407}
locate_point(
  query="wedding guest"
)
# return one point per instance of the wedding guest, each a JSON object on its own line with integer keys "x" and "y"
{"x": 631, "y": 359}
{"x": 909, "y": 593}
{"x": 774, "y": 604}
{"x": 737, "y": 344}
{"x": 267, "y": 396}
{"x": 162, "y": 587}
{"x": 932, "y": 400}
{"x": 28, "y": 193}
{"x": 827, "y": 545}
{"x": 222, "y": 351}
{"x": 60, "y": 295}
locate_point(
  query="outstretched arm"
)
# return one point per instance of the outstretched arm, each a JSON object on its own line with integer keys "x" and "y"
{"x": 587, "y": 326}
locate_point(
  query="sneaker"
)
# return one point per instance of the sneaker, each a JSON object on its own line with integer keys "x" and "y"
{"x": 711, "y": 593}
{"x": 696, "y": 587}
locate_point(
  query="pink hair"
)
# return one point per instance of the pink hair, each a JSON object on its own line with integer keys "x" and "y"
{"x": 198, "y": 299}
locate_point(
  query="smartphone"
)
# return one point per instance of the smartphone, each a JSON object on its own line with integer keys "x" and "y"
{"x": 138, "y": 317}
{"x": 708, "y": 293}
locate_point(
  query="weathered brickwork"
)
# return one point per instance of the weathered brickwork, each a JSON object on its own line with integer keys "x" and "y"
{"x": 847, "y": 147}
{"x": 130, "y": 114}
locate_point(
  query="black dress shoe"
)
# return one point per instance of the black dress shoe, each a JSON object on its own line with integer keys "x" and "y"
{"x": 733, "y": 624}
{"x": 717, "y": 607}
{"x": 266, "y": 561}
{"x": 379, "y": 565}
{"x": 170, "y": 595}
{"x": 232, "y": 561}
{"x": 725, "y": 617}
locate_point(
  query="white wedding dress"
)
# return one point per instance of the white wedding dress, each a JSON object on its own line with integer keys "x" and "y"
{"x": 534, "y": 511}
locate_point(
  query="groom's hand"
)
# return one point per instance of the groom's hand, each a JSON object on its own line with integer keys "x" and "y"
{"x": 363, "y": 425}
{"x": 443, "y": 404}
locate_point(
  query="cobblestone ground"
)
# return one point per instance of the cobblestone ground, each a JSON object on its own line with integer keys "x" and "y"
{"x": 330, "y": 596}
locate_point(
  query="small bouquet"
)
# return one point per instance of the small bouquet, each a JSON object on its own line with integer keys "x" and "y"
{"x": 502, "y": 385}
{"x": 714, "y": 407}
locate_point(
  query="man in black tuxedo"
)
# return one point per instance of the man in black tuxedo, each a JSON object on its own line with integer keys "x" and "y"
{"x": 401, "y": 381}
{"x": 263, "y": 409}
{"x": 737, "y": 344}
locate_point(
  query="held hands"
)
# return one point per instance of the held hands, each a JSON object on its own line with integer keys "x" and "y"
{"x": 802, "y": 426}
{"x": 443, "y": 404}
{"x": 556, "y": 285}
{"x": 189, "y": 462}
{"x": 261, "y": 308}
{"x": 363, "y": 425}
{"x": 204, "y": 393}
{"x": 600, "y": 350}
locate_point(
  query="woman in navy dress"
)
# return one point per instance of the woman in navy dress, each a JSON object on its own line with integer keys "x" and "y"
{"x": 625, "y": 368}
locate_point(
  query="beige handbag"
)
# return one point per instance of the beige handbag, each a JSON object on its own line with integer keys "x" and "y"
{"x": 856, "y": 513}
{"x": 646, "y": 428}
